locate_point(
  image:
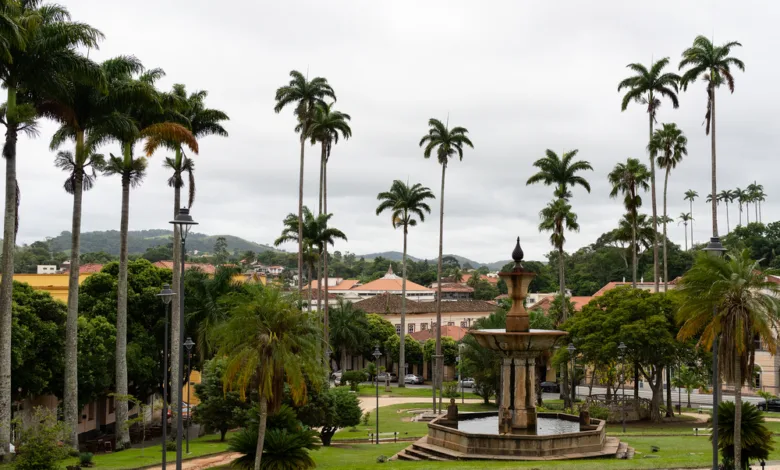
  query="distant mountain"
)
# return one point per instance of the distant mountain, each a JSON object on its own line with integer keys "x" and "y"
{"x": 391, "y": 255}
{"x": 139, "y": 241}
{"x": 397, "y": 255}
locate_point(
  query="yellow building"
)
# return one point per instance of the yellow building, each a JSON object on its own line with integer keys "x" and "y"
{"x": 55, "y": 284}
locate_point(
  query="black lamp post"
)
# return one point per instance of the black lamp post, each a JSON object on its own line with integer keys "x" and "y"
{"x": 622, "y": 354}
{"x": 571, "y": 350}
{"x": 377, "y": 354}
{"x": 166, "y": 294}
{"x": 189, "y": 344}
{"x": 715, "y": 249}
{"x": 184, "y": 222}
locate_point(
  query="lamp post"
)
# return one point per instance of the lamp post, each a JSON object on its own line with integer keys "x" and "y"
{"x": 166, "y": 294}
{"x": 189, "y": 344}
{"x": 571, "y": 350}
{"x": 715, "y": 249}
{"x": 184, "y": 222}
{"x": 622, "y": 354}
{"x": 377, "y": 354}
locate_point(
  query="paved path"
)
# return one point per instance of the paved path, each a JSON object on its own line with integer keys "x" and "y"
{"x": 206, "y": 462}
{"x": 369, "y": 403}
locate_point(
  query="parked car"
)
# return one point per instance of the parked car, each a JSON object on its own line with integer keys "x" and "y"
{"x": 550, "y": 387}
{"x": 466, "y": 383}
{"x": 382, "y": 377}
{"x": 773, "y": 404}
{"x": 185, "y": 411}
{"x": 413, "y": 379}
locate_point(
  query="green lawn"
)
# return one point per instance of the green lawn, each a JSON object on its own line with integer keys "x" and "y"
{"x": 370, "y": 391}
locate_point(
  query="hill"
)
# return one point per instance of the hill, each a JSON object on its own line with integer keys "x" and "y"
{"x": 139, "y": 241}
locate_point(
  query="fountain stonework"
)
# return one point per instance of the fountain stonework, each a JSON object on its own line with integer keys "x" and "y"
{"x": 516, "y": 431}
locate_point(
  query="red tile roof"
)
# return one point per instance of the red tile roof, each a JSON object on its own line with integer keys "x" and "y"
{"x": 545, "y": 303}
{"x": 452, "y": 287}
{"x": 346, "y": 284}
{"x": 206, "y": 268}
{"x": 455, "y": 332}
{"x": 390, "y": 304}
{"x": 90, "y": 268}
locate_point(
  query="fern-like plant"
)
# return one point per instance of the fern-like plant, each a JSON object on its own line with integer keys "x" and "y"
{"x": 282, "y": 450}
{"x": 756, "y": 438}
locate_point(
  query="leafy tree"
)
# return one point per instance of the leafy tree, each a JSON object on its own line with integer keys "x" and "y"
{"x": 218, "y": 409}
{"x": 349, "y": 331}
{"x": 540, "y": 321}
{"x": 484, "y": 290}
{"x": 763, "y": 241}
{"x": 484, "y": 364}
{"x": 647, "y": 87}
{"x": 689, "y": 378}
{"x": 220, "y": 251}
{"x": 414, "y": 353}
{"x": 305, "y": 95}
{"x": 38, "y": 447}
{"x": 449, "y": 350}
{"x": 713, "y": 64}
{"x": 160, "y": 253}
{"x": 379, "y": 331}
{"x": 629, "y": 178}
{"x": 746, "y": 306}
{"x": 97, "y": 342}
{"x": 330, "y": 410}
{"x": 755, "y": 437}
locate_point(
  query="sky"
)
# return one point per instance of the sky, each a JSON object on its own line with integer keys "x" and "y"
{"x": 522, "y": 77}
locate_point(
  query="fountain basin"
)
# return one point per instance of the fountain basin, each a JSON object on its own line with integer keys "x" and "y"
{"x": 457, "y": 437}
{"x": 532, "y": 341}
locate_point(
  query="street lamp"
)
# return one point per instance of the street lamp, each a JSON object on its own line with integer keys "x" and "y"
{"x": 715, "y": 249}
{"x": 377, "y": 354}
{"x": 166, "y": 294}
{"x": 189, "y": 344}
{"x": 571, "y": 350}
{"x": 622, "y": 354}
{"x": 183, "y": 221}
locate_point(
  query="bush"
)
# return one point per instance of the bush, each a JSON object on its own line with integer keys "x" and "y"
{"x": 364, "y": 419}
{"x": 381, "y": 459}
{"x": 282, "y": 449}
{"x": 39, "y": 446}
{"x": 85, "y": 459}
{"x": 353, "y": 378}
{"x": 598, "y": 412}
{"x": 450, "y": 389}
{"x": 756, "y": 438}
{"x": 170, "y": 446}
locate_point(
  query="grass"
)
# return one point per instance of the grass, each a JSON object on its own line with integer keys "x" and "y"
{"x": 370, "y": 391}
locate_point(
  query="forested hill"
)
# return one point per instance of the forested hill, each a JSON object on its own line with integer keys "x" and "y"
{"x": 139, "y": 241}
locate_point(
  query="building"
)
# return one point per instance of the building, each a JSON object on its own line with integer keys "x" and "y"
{"x": 353, "y": 290}
{"x": 453, "y": 291}
{"x": 545, "y": 303}
{"x": 46, "y": 269}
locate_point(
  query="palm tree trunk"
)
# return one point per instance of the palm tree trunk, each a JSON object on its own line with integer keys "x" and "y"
{"x": 343, "y": 360}
{"x": 311, "y": 268}
{"x": 6, "y": 283}
{"x": 438, "y": 369}
{"x": 300, "y": 219}
{"x": 656, "y": 270}
{"x": 714, "y": 169}
{"x": 666, "y": 265}
{"x": 728, "y": 226}
{"x": 319, "y": 285}
{"x": 320, "y": 261}
{"x": 691, "y": 206}
{"x": 175, "y": 286}
{"x": 755, "y": 206}
{"x": 70, "y": 397}
{"x": 402, "y": 350}
{"x": 747, "y": 213}
{"x": 261, "y": 432}
{"x": 686, "y": 237}
{"x": 326, "y": 314}
{"x": 669, "y": 404}
{"x": 564, "y": 315}
{"x": 633, "y": 248}
{"x": 121, "y": 313}
{"x": 737, "y": 411}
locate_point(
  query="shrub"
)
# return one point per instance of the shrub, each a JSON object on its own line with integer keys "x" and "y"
{"x": 598, "y": 412}
{"x": 170, "y": 446}
{"x": 282, "y": 449}
{"x": 85, "y": 459}
{"x": 381, "y": 459}
{"x": 756, "y": 438}
{"x": 450, "y": 389}
{"x": 364, "y": 419}
{"x": 39, "y": 446}
{"x": 353, "y": 378}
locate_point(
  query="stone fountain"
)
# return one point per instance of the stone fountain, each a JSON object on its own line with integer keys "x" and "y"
{"x": 516, "y": 431}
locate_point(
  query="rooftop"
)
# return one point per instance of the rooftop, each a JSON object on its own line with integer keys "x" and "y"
{"x": 388, "y": 303}
{"x": 390, "y": 282}
{"x": 206, "y": 268}
{"x": 455, "y": 332}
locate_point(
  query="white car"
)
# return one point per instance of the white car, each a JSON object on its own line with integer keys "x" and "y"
{"x": 466, "y": 383}
{"x": 413, "y": 379}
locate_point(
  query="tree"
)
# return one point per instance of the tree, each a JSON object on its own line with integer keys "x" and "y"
{"x": 96, "y": 347}
{"x": 647, "y": 87}
{"x": 39, "y": 54}
{"x": 269, "y": 342}
{"x": 557, "y": 218}
{"x": 484, "y": 364}
{"x": 629, "y": 178}
{"x": 379, "y": 331}
{"x": 349, "y": 331}
{"x": 713, "y": 64}
{"x": 746, "y": 305}
{"x": 561, "y": 172}
{"x": 447, "y": 143}
{"x": 685, "y": 218}
{"x": 755, "y": 437}
{"x": 218, "y": 409}
{"x": 305, "y": 95}
{"x": 689, "y": 378}
{"x": 449, "y": 350}
{"x": 220, "y": 251}
{"x": 414, "y": 352}
{"x": 727, "y": 196}
{"x": 330, "y": 410}
{"x": 672, "y": 144}
{"x": 690, "y": 195}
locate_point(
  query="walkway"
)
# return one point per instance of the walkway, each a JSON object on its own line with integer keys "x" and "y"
{"x": 369, "y": 403}
{"x": 202, "y": 463}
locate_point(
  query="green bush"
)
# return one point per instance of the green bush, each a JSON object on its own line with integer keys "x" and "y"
{"x": 170, "y": 446}
{"x": 364, "y": 419}
{"x": 353, "y": 378}
{"x": 450, "y": 389}
{"x": 282, "y": 450}
{"x": 598, "y": 412}
{"x": 85, "y": 459}
{"x": 38, "y": 447}
{"x": 756, "y": 438}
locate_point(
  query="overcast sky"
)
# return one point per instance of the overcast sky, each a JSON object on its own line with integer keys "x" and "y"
{"x": 521, "y": 76}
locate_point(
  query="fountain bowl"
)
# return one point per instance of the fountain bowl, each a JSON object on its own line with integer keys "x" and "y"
{"x": 507, "y": 343}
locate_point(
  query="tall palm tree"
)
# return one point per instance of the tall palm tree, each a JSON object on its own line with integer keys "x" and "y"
{"x": 327, "y": 126}
{"x": 629, "y": 178}
{"x": 447, "y": 143}
{"x": 38, "y": 55}
{"x": 747, "y": 306}
{"x": 713, "y": 64}
{"x": 647, "y": 87}
{"x": 269, "y": 343}
{"x": 305, "y": 95}
{"x": 561, "y": 172}
{"x": 727, "y": 196}
{"x": 753, "y": 191}
{"x": 760, "y": 197}
{"x": 685, "y": 218}
{"x": 147, "y": 120}
{"x": 740, "y": 196}
{"x": 406, "y": 204}
{"x": 349, "y": 332}
{"x": 672, "y": 145}
{"x": 690, "y": 195}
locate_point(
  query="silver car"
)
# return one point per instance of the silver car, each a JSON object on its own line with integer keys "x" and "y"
{"x": 466, "y": 383}
{"x": 413, "y": 379}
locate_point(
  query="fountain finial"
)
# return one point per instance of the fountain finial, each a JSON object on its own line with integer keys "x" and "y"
{"x": 517, "y": 255}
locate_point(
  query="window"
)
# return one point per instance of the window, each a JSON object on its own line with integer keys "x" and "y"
{"x": 423, "y": 326}
{"x": 410, "y": 328}
{"x": 398, "y": 329}
{"x": 463, "y": 324}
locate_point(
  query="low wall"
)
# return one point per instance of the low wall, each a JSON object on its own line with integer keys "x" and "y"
{"x": 589, "y": 439}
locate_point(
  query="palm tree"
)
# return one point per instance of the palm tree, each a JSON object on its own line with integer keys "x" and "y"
{"x": 753, "y": 191}
{"x": 672, "y": 144}
{"x": 712, "y": 64}
{"x": 269, "y": 343}
{"x": 38, "y": 56}
{"x": 747, "y": 306}
{"x": 727, "y": 196}
{"x": 305, "y": 95}
{"x": 349, "y": 332}
{"x": 629, "y": 178}
{"x": 561, "y": 172}
{"x": 690, "y": 195}
{"x": 760, "y": 197}
{"x": 406, "y": 204}
{"x": 146, "y": 119}
{"x": 685, "y": 218}
{"x": 647, "y": 87}
{"x": 327, "y": 126}
{"x": 447, "y": 143}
